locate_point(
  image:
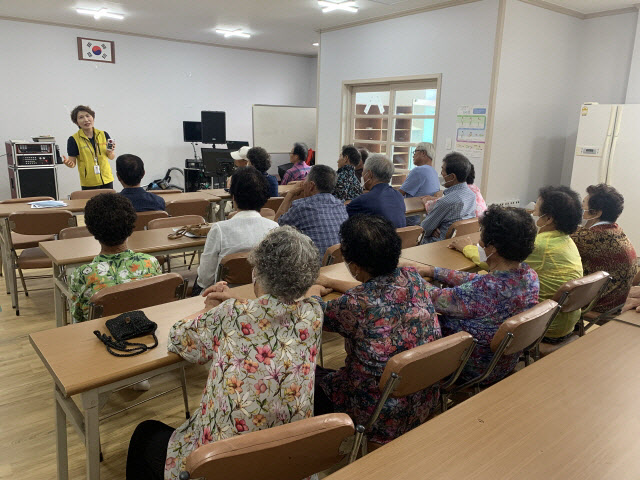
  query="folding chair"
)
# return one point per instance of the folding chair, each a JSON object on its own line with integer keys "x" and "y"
{"x": 274, "y": 203}
{"x": 235, "y": 269}
{"x": 463, "y": 227}
{"x": 177, "y": 221}
{"x": 332, "y": 255}
{"x": 421, "y": 367}
{"x": 74, "y": 232}
{"x": 287, "y": 452}
{"x": 410, "y": 236}
{"x": 268, "y": 213}
{"x": 145, "y": 217}
{"x": 81, "y": 194}
{"x": 200, "y": 207}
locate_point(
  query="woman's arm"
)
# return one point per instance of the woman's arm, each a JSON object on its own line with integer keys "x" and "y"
{"x": 69, "y": 161}
{"x": 452, "y": 277}
{"x": 338, "y": 285}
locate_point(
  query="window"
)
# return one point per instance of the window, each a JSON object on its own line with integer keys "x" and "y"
{"x": 392, "y": 118}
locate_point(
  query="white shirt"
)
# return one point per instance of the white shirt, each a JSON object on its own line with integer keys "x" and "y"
{"x": 239, "y": 234}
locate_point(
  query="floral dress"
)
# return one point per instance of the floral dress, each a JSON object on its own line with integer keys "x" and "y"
{"x": 262, "y": 374}
{"x": 381, "y": 317}
{"x": 479, "y": 304}
{"x": 347, "y": 185}
{"x": 105, "y": 271}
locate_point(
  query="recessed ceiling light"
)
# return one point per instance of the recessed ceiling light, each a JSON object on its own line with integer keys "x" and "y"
{"x": 232, "y": 33}
{"x": 347, "y": 6}
{"x": 98, "y": 14}
{"x": 316, "y": 44}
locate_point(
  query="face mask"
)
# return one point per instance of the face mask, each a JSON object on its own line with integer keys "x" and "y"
{"x": 482, "y": 253}
{"x": 446, "y": 181}
{"x": 586, "y": 218}
{"x": 537, "y": 218}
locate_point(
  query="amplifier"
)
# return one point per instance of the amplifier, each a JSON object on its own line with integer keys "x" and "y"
{"x": 22, "y": 154}
{"x": 191, "y": 163}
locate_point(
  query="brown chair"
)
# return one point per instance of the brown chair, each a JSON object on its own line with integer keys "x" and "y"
{"x": 580, "y": 294}
{"x": 81, "y": 194}
{"x": 268, "y": 213}
{"x": 463, "y": 227}
{"x": 26, "y": 199}
{"x": 74, "y": 232}
{"x": 40, "y": 222}
{"x": 27, "y": 241}
{"x": 200, "y": 207}
{"x": 180, "y": 221}
{"x": 421, "y": 367}
{"x": 274, "y": 203}
{"x": 287, "y": 452}
{"x": 145, "y": 217}
{"x": 235, "y": 269}
{"x": 410, "y": 236}
{"x": 519, "y": 333}
{"x": 332, "y": 255}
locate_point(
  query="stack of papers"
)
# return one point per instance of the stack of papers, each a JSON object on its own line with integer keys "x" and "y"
{"x": 47, "y": 204}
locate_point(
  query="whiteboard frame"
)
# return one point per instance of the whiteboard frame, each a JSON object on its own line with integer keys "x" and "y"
{"x": 253, "y": 130}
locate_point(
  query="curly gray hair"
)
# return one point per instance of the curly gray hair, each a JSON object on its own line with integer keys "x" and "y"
{"x": 285, "y": 263}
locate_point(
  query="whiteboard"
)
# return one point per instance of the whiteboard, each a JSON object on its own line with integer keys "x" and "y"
{"x": 277, "y": 127}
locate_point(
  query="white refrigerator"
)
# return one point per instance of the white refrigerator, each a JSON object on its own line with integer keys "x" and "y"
{"x": 608, "y": 151}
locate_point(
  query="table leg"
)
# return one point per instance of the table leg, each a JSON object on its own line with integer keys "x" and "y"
{"x": 91, "y": 406}
{"x": 59, "y": 299}
{"x": 223, "y": 206}
{"x": 61, "y": 439}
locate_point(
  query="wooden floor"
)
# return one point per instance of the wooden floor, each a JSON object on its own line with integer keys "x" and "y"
{"x": 27, "y": 427}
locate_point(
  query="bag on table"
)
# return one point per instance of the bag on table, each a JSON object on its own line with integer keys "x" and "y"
{"x": 124, "y": 327}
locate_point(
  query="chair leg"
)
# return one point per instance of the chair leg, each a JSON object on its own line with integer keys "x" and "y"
{"x": 185, "y": 397}
{"x": 444, "y": 398}
{"x": 24, "y": 285}
{"x": 193, "y": 257}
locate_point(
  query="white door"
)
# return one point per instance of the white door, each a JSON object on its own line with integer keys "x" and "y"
{"x": 592, "y": 146}
{"x": 624, "y": 169}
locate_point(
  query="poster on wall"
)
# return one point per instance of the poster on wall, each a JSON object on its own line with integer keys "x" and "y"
{"x": 471, "y": 128}
{"x": 92, "y": 50}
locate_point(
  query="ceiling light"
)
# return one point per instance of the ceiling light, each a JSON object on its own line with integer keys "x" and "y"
{"x": 232, "y": 33}
{"x": 315, "y": 44}
{"x": 347, "y": 6}
{"x": 98, "y": 14}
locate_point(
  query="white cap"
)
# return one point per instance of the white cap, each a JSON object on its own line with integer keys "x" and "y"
{"x": 240, "y": 154}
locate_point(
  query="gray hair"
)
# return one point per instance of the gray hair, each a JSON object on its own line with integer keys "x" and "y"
{"x": 324, "y": 177}
{"x": 285, "y": 263}
{"x": 427, "y": 148}
{"x": 380, "y": 167}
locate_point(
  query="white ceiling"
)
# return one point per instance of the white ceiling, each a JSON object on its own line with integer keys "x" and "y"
{"x": 278, "y": 25}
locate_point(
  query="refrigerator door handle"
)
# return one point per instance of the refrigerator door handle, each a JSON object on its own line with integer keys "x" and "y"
{"x": 612, "y": 153}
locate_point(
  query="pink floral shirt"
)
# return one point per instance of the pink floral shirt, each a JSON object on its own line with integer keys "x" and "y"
{"x": 263, "y": 355}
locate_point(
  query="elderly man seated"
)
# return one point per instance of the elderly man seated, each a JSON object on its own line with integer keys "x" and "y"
{"x": 381, "y": 199}
{"x": 312, "y": 208}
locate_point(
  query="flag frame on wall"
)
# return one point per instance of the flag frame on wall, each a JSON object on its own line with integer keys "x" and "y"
{"x": 94, "y": 50}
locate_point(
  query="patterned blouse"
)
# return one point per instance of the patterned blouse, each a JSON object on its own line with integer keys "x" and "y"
{"x": 347, "y": 186}
{"x": 263, "y": 355}
{"x": 478, "y": 304}
{"x": 382, "y": 317}
{"x": 105, "y": 271}
{"x": 606, "y": 247}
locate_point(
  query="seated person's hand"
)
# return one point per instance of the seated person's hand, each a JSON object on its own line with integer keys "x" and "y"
{"x": 436, "y": 232}
{"x": 438, "y": 194}
{"x": 318, "y": 291}
{"x": 459, "y": 243}
{"x": 633, "y": 300}
{"x": 323, "y": 281}
{"x": 428, "y": 198}
{"x": 216, "y": 287}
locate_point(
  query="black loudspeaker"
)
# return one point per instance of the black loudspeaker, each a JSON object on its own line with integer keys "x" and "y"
{"x": 214, "y": 128}
{"x": 34, "y": 182}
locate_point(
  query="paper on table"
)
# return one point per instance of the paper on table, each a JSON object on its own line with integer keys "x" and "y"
{"x": 47, "y": 204}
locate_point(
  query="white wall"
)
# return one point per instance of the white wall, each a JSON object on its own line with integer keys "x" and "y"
{"x": 142, "y": 99}
{"x": 633, "y": 87}
{"x": 456, "y": 42}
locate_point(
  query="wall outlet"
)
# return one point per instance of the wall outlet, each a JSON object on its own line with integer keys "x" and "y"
{"x": 447, "y": 143}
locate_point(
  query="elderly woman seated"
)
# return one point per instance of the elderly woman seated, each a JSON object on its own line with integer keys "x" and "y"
{"x": 388, "y": 313}
{"x": 263, "y": 355}
{"x": 110, "y": 218}
{"x": 604, "y": 246}
{"x": 479, "y": 304}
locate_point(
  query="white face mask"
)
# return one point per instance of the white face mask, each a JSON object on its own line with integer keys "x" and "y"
{"x": 482, "y": 253}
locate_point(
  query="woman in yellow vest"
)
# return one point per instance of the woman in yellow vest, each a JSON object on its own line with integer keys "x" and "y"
{"x": 91, "y": 149}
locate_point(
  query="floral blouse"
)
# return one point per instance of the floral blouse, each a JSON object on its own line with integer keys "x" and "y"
{"x": 262, "y": 374}
{"x": 381, "y": 317}
{"x": 105, "y": 271}
{"x": 479, "y": 304}
{"x": 347, "y": 185}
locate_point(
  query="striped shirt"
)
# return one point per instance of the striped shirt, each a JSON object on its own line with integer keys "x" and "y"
{"x": 457, "y": 203}
{"x": 298, "y": 172}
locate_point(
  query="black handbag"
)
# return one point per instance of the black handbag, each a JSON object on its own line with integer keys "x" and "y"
{"x": 124, "y": 327}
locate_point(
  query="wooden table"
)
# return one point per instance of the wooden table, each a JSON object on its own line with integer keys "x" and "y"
{"x": 68, "y": 254}
{"x": 226, "y": 196}
{"x": 414, "y": 206}
{"x": 439, "y": 254}
{"x": 630, "y": 317}
{"x": 571, "y": 415}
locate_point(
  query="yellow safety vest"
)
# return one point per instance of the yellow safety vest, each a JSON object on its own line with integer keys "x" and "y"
{"x": 87, "y": 158}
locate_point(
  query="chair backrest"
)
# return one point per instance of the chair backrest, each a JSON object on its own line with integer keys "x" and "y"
{"x": 274, "y": 203}
{"x": 287, "y": 452}
{"x": 41, "y": 222}
{"x": 137, "y": 294}
{"x": 409, "y": 235}
{"x": 235, "y": 269}
{"x": 145, "y": 217}
{"x": 189, "y": 207}
{"x": 26, "y": 199}
{"x": 332, "y": 255}
{"x": 423, "y": 366}
{"x": 268, "y": 213}
{"x": 582, "y": 292}
{"x": 463, "y": 227}
{"x": 526, "y": 327}
{"x": 180, "y": 221}
{"x": 74, "y": 232}
{"x": 168, "y": 190}
{"x": 90, "y": 193}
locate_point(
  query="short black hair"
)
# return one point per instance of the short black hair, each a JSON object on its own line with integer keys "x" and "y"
{"x": 259, "y": 158}
{"x": 606, "y": 199}
{"x": 301, "y": 151}
{"x": 364, "y": 154}
{"x": 110, "y": 218}
{"x": 471, "y": 177}
{"x": 324, "y": 177}
{"x": 457, "y": 164}
{"x": 249, "y": 188}
{"x": 563, "y": 205}
{"x": 372, "y": 243}
{"x": 511, "y": 231}
{"x": 130, "y": 169}
{"x": 352, "y": 153}
{"x": 81, "y": 108}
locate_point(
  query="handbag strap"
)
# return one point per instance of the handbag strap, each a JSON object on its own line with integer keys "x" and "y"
{"x": 136, "y": 348}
